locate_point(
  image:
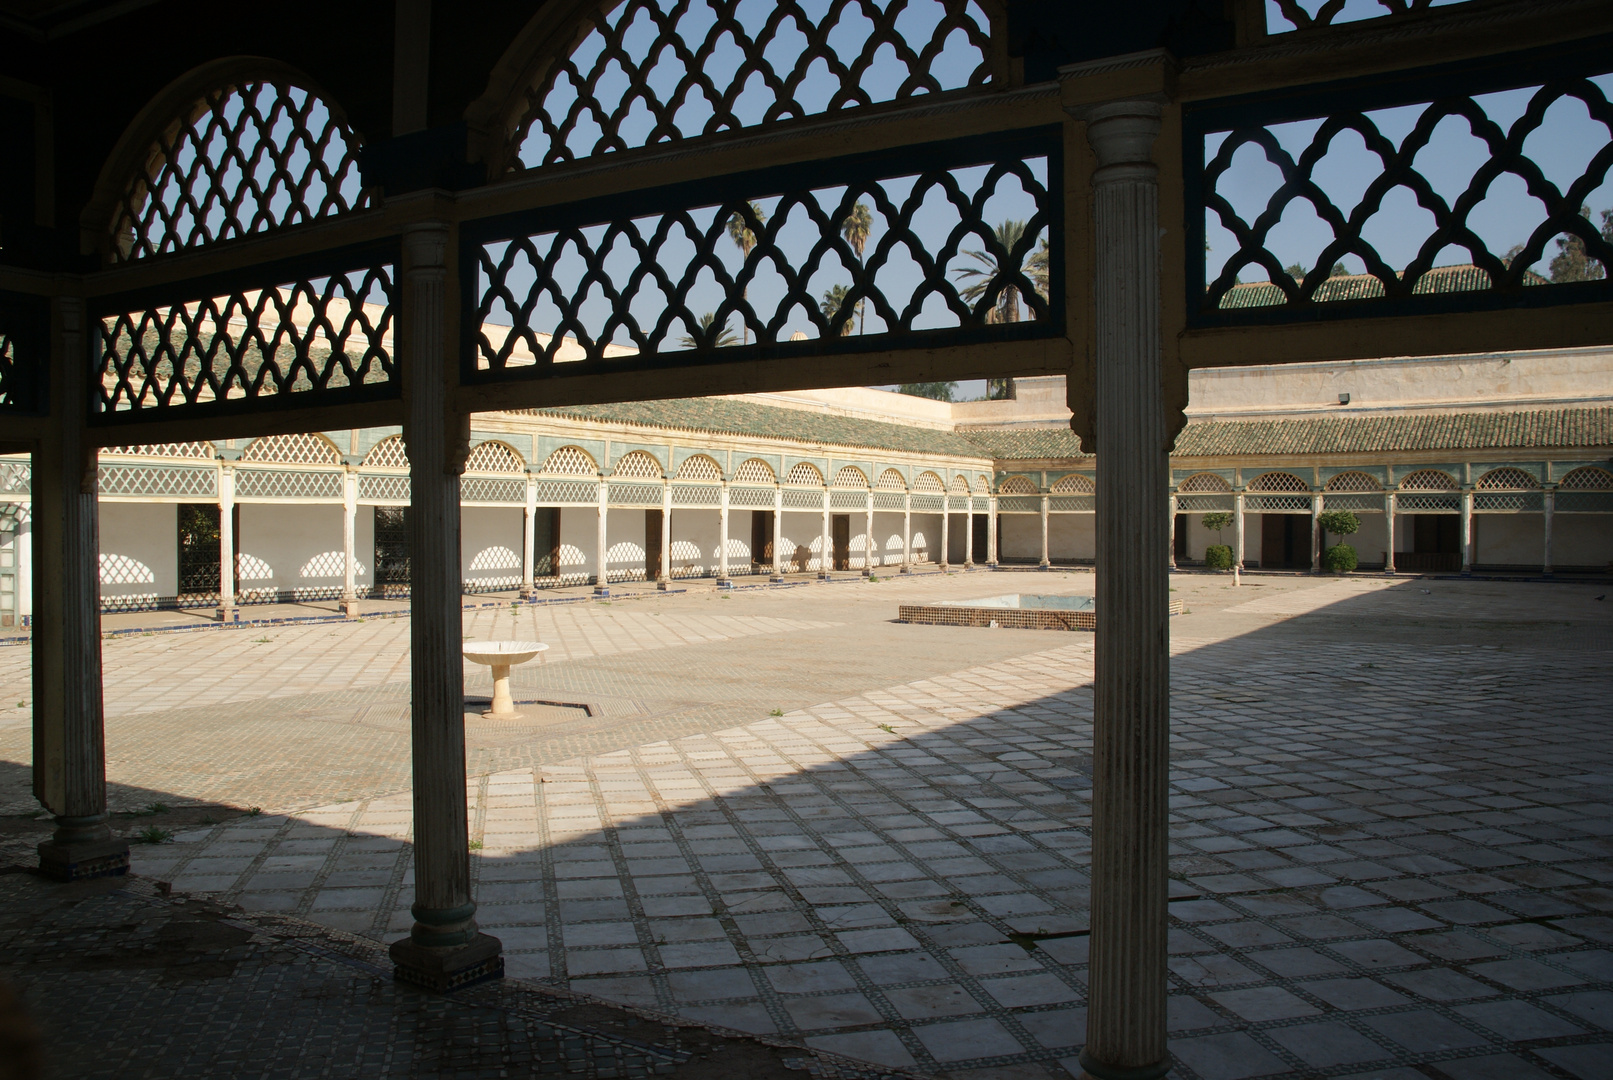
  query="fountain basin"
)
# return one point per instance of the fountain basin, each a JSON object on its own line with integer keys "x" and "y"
{"x": 1023, "y": 611}
{"x": 501, "y": 656}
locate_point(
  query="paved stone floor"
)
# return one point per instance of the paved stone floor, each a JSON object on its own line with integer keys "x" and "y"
{"x": 788, "y": 814}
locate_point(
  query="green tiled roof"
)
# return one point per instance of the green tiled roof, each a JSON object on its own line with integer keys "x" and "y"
{"x": 1438, "y": 279}
{"x": 725, "y": 416}
{"x": 1533, "y": 430}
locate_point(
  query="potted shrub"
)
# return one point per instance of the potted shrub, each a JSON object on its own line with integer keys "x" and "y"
{"x": 1341, "y": 557}
{"x": 1217, "y": 556}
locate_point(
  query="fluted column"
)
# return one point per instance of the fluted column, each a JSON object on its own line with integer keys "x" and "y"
{"x": 602, "y": 542}
{"x": 226, "y": 543}
{"x": 827, "y": 544}
{"x": 723, "y": 581}
{"x": 969, "y": 532}
{"x": 1131, "y": 713}
{"x": 529, "y": 533}
{"x": 1389, "y": 514}
{"x": 946, "y": 530}
{"x": 1170, "y": 533}
{"x": 1548, "y": 506}
{"x": 444, "y": 948}
{"x": 349, "y": 527}
{"x": 868, "y": 537}
{"x": 907, "y": 532}
{"x": 1316, "y": 532}
{"x": 778, "y": 534}
{"x": 1045, "y": 561}
{"x": 664, "y": 579}
{"x": 991, "y": 531}
{"x": 69, "y": 732}
{"x": 1467, "y": 530}
{"x": 1237, "y": 528}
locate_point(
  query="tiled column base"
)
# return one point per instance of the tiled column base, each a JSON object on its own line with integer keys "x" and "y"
{"x": 78, "y": 862}
{"x": 443, "y": 970}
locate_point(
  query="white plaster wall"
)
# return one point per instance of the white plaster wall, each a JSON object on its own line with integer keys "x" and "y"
{"x": 363, "y": 549}
{"x": 579, "y": 543}
{"x": 1071, "y": 536}
{"x": 926, "y": 538}
{"x": 801, "y": 544}
{"x": 624, "y": 541}
{"x": 490, "y": 539}
{"x": 139, "y": 550}
{"x": 1370, "y": 541}
{"x": 1021, "y": 537}
{"x": 293, "y": 549}
{"x": 1510, "y": 539}
{"x": 21, "y": 540}
{"x": 695, "y": 534}
{"x": 1582, "y": 540}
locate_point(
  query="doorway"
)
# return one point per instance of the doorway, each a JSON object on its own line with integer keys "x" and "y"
{"x": 652, "y": 545}
{"x": 1285, "y": 542}
{"x": 840, "y": 533}
{"x": 761, "y": 538}
{"x": 199, "y": 544}
{"x": 980, "y": 530}
{"x": 1436, "y": 544}
{"x": 546, "y": 542}
{"x": 1179, "y": 538}
{"x": 391, "y": 546}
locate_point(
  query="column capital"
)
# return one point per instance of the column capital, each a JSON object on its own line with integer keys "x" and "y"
{"x": 425, "y": 246}
{"x": 1122, "y": 134}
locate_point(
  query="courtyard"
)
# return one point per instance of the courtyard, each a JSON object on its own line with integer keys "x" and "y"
{"x": 778, "y": 812}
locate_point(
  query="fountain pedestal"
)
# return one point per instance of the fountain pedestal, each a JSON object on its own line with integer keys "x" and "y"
{"x": 501, "y": 656}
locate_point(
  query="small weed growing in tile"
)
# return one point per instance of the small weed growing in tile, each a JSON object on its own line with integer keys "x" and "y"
{"x": 156, "y": 808}
{"x": 887, "y": 727}
{"x": 260, "y": 641}
{"x": 22, "y": 704}
{"x": 476, "y": 845}
{"x": 253, "y": 811}
{"x": 776, "y": 712}
{"x": 210, "y": 820}
{"x": 153, "y": 835}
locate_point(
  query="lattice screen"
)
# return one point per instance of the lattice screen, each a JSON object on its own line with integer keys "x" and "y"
{"x": 487, "y": 489}
{"x": 700, "y": 467}
{"x": 493, "y": 457}
{"x": 383, "y": 489}
{"x": 754, "y": 471}
{"x": 1074, "y": 484}
{"x": 651, "y": 71}
{"x": 756, "y": 497}
{"x": 927, "y": 503}
{"x": 551, "y": 492}
{"x": 1587, "y": 478}
{"x": 959, "y": 485}
{"x": 927, "y": 482}
{"x": 635, "y": 494}
{"x": 803, "y": 500}
{"x": 15, "y": 477}
{"x": 696, "y": 495}
{"x": 1507, "y": 479}
{"x": 156, "y": 480}
{"x": 891, "y": 480}
{"x": 243, "y": 160}
{"x": 887, "y": 500}
{"x": 1354, "y": 481}
{"x": 848, "y": 500}
{"x": 851, "y": 477}
{"x": 1278, "y": 481}
{"x": 1286, "y": 16}
{"x": 1429, "y": 480}
{"x": 1204, "y": 482}
{"x": 1017, "y": 485}
{"x": 1019, "y": 504}
{"x": 179, "y": 450}
{"x": 805, "y": 474}
{"x": 293, "y": 450}
{"x": 389, "y": 453}
{"x": 638, "y": 466}
{"x": 286, "y": 484}
{"x": 570, "y": 461}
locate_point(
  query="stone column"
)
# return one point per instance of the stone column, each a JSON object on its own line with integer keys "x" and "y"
{"x": 778, "y": 535}
{"x": 529, "y": 533}
{"x": 1237, "y": 528}
{"x": 349, "y": 526}
{"x": 1045, "y": 561}
{"x": 1467, "y": 530}
{"x": 826, "y": 558}
{"x": 723, "y": 581}
{"x": 444, "y": 949}
{"x": 1170, "y": 533}
{"x": 663, "y": 580}
{"x": 991, "y": 531}
{"x": 868, "y": 538}
{"x": 1131, "y": 711}
{"x": 602, "y": 542}
{"x": 69, "y": 732}
{"x": 1389, "y": 515}
{"x": 969, "y": 532}
{"x": 226, "y": 543}
{"x": 946, "y": 530}
{"x": 1316, "y": 532}
{"x": 907, "y": 532}
{"x": 1549, "y": 506}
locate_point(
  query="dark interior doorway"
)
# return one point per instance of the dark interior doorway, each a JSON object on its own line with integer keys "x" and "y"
{"x": 1285, "y": 542}
{"x": 546, "y": 542}
{"x": 840, "y": 533}
{"x": 1179, "y": 537}
{"x": 1436, "y": 544}
{"x": 391, "y": 545}
{"x": 199, "y": 550}
{"x": 981, "y": 530}
{"x": 761, "y": 538}
{"x": 652, "y": 545}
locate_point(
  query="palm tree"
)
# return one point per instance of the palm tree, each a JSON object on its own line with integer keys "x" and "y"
{"x": 980, "y": 278}
{"x": 833, "y": 301}
{"x": 858, "y": 224}
{"x": 740, "y": 231}
{"x": 725, "y": 337}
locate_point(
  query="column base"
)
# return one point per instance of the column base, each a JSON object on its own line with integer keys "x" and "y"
{"x": 78, "y": 862}
{"x": 349, "y": 607}
{"x": 776, "y": 579}
{"x": 991, "y": 566}
{"x": 444, "y": 970}
{"x": 823, "y": 575}
{"x": 601, "y": 590}
{"x": 1097, "y": 1071}
{"x": 906, "y": 570}
{"x": 725, "y": 583}
{"x": 526, "y": 592}
{"x": 663, "y": 585}
{"x": 230, "y": 614}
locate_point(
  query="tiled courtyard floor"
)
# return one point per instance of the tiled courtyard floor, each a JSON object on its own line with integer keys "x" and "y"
{"x": 790, "y": 815}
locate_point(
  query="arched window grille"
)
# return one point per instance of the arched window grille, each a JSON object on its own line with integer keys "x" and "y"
{"x": 654, "y": 71}
{"x": 494, "y": 457}
{"x": 754, "y": 471}
{"x": 638, "y": 466}
{"x": 1507, "y": 479}
{"x": 1278, "y": 481}
{"x": 1587, "y": 478}
{"x": 1207, "y": 482}
{"x": 389, "y": 453}
{"x": 851, "y": 477}
{"x": 1074, "y": 484}
{"x": 1353, "y": 482}
{"x": 1017, "y": 485}
{"x": 960, "y": 485}
{"x": 243, "y": 160}
{"x": 570, "y": 461}
{"x": 293, "y": 450}
{"x": 891, "y": 480}
{"x": 700, "y": 467}
{"x": 804, "y": 474}
{"x": 927, "y": 483}
{"x": 1429, "y": 480}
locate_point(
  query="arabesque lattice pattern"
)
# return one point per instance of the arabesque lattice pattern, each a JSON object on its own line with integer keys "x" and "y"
{"x": 389, "y": 453}
{"x": 1507, "y": 479}
{"x": 1285, "y": 16}
{"x": 887, "y": 500}
{"x": 570, "y": 461}
{"x": 850, "y": 476}
{"x": 246, "y": 159}
{"x": 652, "y": 71}
{"x": 300, "y": 449}
{"x": 287, "y": 484}
{"x": 1277, "y": 481}
{"x": 1353, "y": 481}
{"x": 697, "y": 495}
{"x": 638, "y": 466}
{"x": 700, "y": 467}
{"x": 393, "y": 490}
{"x": 959, "y": 485}
{"x": 1587, "y": 478}
{"x": 755, "y": 497}
{"x": 623, "y": 284}
{"x": 15, "y": 477}
{"x": 635, "y": 494}
{"x": 1204, "y": 482}
{"x": 1292, "y": 185}
{"x": 487, "y": 489}
{"x": 891, "y": 480}
{"x": 320, "y": 336}
{"x": 754, "y": 471}
{"x": 1074, "y": 484}
{"x": 927, "y": 482}
{"x": 493, "y": 457}
{"x": 179, "y": 450}
{"x": 555, "y": 492}
{"x": 1018, "y": 485}
{"x": 1429, "y": 480}
{"x": 848, "y": 500}
{"x": 805, "y": 474}
{"x": 156, "y": 480}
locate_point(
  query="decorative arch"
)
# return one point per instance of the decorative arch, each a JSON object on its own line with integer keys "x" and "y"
{"x": 1429, "y": 480}
{"x": 851, "y": 477}
{"x": 235, "y": 148}
{"x": 494, "y": 457}
{"x": 982, "y": 484}
{"x": 203, "y": 450}
{"x": 1205, "y": 481}
{"x": 302, "y": 449}
{"x": 1587, "y": 478}
{"x": 1017, "y": 485}
{"x": 571, "y": 461}
{"x": 1278, "y": 481}
{"x": 389, "y": 453}
{"x": 627, "y": 74}
{"x": 805, "y": 474}
{"x": 700, "y": 467}
{"x": 1507, "y": 479}
{"x": 1074, "y": 484}
{"x": 638, "y": 465}
{"x": 1353, "y": 481}
{"x": 928, "y": 483}
{"x": 891, "y": 480}
{"x": 959, "y": 485}
{"x": 755, "y": 471}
